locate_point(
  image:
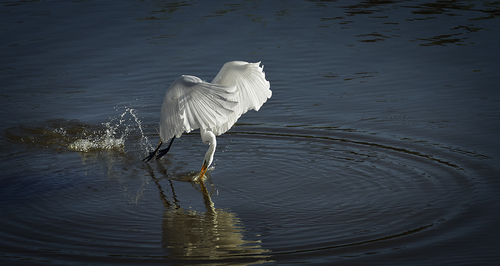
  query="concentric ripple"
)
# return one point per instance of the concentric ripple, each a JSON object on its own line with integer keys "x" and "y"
{"x": 276, "y": 194}
{"x": 346, "y": 193}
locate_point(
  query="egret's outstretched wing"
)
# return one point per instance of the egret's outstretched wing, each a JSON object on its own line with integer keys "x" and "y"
{"x": 251, "y": 85}
{"x": 191, "y": 103}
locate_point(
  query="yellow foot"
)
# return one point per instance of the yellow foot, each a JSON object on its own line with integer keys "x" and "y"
{"x": 202, "y": 172}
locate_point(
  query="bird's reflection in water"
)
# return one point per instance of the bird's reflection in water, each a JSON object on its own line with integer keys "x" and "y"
{"x": 213, "y": 234}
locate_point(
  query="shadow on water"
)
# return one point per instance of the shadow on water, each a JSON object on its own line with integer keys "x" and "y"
{"x": 214, "y": 234}
{"x": 188, "y": 235}
{"x": 385, "y": 194}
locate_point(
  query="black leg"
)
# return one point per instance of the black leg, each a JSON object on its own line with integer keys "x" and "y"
{"x": 153, "y": 153}
{"x": 164, "y": 151}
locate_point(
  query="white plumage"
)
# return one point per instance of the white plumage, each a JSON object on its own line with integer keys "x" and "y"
{"x": 191, "y": 103}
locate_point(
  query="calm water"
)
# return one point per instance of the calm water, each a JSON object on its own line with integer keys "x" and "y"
{"x": 379, "y": 144}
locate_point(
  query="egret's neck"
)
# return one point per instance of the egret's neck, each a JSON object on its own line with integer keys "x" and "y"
{"x": 208, "y": 137}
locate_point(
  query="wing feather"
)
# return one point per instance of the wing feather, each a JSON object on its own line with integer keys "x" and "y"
{"x": 191, "y": 103}
{"x": 251, "y": 85}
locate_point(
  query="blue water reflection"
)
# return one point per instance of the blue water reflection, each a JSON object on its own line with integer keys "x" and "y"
{"x": 379, "y": 145}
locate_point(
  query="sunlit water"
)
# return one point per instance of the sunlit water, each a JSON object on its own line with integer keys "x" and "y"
{"x": 379, "y": 145}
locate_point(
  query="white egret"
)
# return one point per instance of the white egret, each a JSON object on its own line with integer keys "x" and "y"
{"x": 191, "y": 103}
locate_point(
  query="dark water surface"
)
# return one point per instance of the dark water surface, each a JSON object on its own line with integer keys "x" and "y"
{"x": 379, "y": 145}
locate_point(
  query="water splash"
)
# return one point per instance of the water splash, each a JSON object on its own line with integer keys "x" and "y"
{"x": 113, "y": 134}
{"x": 63, "y": 134}
{"x": 108, "y": 141}
{"x": 145, "y": 145}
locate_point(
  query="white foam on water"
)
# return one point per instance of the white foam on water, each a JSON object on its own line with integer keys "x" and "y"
{"x": 112, "y": 136}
